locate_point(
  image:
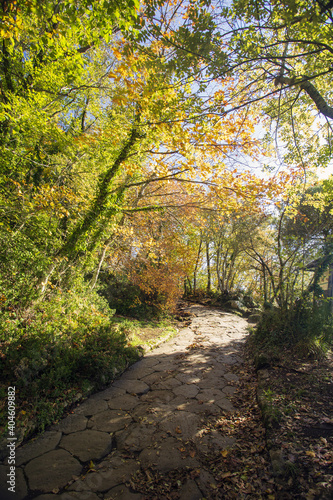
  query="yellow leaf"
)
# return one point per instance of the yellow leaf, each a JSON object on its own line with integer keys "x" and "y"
{"x": 224, "y": 453}
{"x": 117, "y": 54}
{"x": 310, "y": 454}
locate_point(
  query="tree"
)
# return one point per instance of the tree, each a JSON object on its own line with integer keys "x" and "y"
{"x": 280, "y": 56}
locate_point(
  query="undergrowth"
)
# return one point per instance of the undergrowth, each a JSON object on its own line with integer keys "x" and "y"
{"x": 305, "y": 328}
{"x": 57, "y": 351}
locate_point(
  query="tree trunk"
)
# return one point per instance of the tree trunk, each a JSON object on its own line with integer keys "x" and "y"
{"x": 208, "y": 268}
{"x": 196, "y": 267}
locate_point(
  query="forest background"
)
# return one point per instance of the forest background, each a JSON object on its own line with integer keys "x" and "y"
{"x": 149, "y": 151}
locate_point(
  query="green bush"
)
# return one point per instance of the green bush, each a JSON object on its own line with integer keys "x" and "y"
{"x": 62, "y": 346}
{"x": 305, "y": 325}
{"x": 128, "y": 299}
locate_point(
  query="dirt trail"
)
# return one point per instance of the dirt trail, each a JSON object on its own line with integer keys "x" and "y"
{"x": 147, "y": 430}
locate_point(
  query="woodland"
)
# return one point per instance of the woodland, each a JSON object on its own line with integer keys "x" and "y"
{"x": 151, "y": 151}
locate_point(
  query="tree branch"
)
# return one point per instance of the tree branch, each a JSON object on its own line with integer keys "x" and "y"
{"x": 312, "y": 92}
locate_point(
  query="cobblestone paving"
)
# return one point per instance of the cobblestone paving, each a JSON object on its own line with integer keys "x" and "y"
{"x": 145, "y": 419}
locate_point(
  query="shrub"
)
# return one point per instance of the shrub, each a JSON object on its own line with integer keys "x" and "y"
{"x": 306, "y": 326}
{"x": 129, "y": 299}
{"x": 64, "y": 345}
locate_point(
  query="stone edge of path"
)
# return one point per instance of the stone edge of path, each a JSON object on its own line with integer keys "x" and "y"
{"x": 78, "y": 400}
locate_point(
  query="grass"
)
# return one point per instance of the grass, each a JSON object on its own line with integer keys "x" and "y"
{"x": 146, "y": 334}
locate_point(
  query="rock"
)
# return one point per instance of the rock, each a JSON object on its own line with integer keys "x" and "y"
{"x": 249, "y": 302}
{"x": 126, "y": 402}
{"x": 121, "y": 492}
{"x": 91, "y": 407}
{"x": 136, "y": 387}
{"x": 214, "y": 439}
{"x": 163, "y": 396}
{"x": 136, "y": 437}
{"x": 231, "y": 377}
{"x": 47, "y": 442}
{"x": 166, "y": 457}
{"x": 21, "y": 490}
{"x": 107, "y": 394}
{"x": 52, "y": 470}
{"x": 47, "y": 496}
{"x": 72, "y": 423}
{"x": 105, "y": 480}
{"x": 210, "y": 395}
{"x": 188, "y": 378}
{"x": 148, "y": 361}
{"x": 235, "y": 304}
{"x": 195, "y": 406}
{"x": 254, "y": 318}
{"x": 168, "y": 383}
{"x": 186, "y": 390}
{"x": 206, "y": 483}
{"x": 75, "y": 495}
{"x": 229, "y": 390}
{"x": 181, "y": 423}
{"x": 225, "y": 404}
{"x": 87, "y": 445}
{"x": 278, "y": 463}
{"x": 110, "y": 421}
{"x": 210, "y": 381}
{"x": 153, "y": 378}
{"x": 190, "y": 491}
{"x": 139, "y": 371}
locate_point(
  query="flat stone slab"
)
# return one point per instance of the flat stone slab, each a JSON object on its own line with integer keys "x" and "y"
{"x": 91, "y": 407}
{"x": 107, "y": 394}
{"x": 52, "y": 470}
{"x": 107, "y": 479}
{"x": 231, "y": 377}
{"x": 126, "y": 402}
{"x": 186, "y": 390}
{"x": 47, "y": 442}
{"x": 121, "y": 492}
{"x": 166, "y": 457}
{"x": 190, "y": 491}
{"x": 139, "y": 371}
{"x": 163, "y": 396}
{"x": 168, "y": 384}
{"x": 75, "y": 495}
{"x": 149, "y": 361}
{"x": 181, "y": 423}
{"x": 210, "y": 395}
{"x": 207, "y": 484}
{"x": 110, "y": 421}
{"x": 229, "y": 390}
{"x": 153, "y": 378}
{"x": 195, "y": 406}
{"x": 21, "y": 489}
{"x": 136, "y": 387}
{"x": 137, "y": 437}
{"x": 87, "y": 445}
{"x": 165, "y": 367}
{"x": 72, "y": 423}
{"x": 225, "y": 404}
{"x": 211, "y": 381}
{"x": 188, "y": 378}
{"x": 214, "y": 439}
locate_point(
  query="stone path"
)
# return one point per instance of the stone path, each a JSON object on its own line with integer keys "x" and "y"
{"x": 147, "y": 420}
